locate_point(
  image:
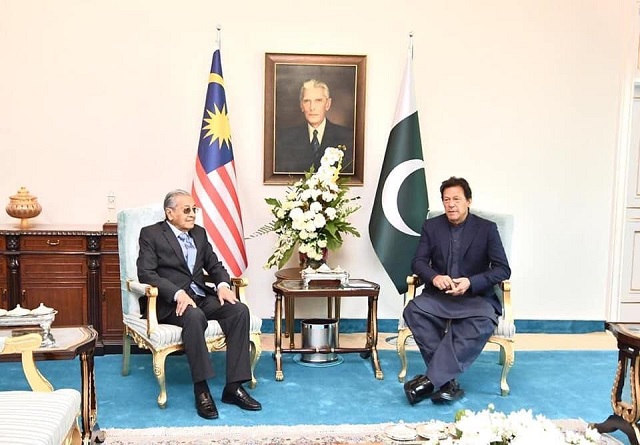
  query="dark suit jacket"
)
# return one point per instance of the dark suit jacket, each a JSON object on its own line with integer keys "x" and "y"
{"x": 294, "y": 153}
{"x": 161, "y": 263}
{"x": 482, "y": 260}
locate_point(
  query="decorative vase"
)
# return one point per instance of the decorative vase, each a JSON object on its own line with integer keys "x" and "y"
{"x": 23, "y": 205}
{"x": 305, "y": 261}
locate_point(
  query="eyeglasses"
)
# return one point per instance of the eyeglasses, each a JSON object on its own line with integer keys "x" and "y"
{"x": 187, "y": 210}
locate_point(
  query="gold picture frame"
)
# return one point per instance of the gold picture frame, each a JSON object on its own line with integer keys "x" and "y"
{"x": 287, "y": 142}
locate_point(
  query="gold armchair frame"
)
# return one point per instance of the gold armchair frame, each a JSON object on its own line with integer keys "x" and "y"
{"x": 506, "y": 343}
{"x": 160, "y": 354}
{"x": 144, "y": 329}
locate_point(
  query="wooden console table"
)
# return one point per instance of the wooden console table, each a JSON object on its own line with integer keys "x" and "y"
{"x": 292, "y": 289}
{"x": 71, "y": 268}
{"x": 626, "y": 414}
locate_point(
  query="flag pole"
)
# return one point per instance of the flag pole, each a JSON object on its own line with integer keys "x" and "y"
{"x": 411, "y": 45}
{"x": 219, "y": 35}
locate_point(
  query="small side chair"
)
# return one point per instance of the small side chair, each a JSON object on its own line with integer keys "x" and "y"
{"x": 162, "y": 339}
{"x": 505, "y": 331}
{"x": 42, "y": 415}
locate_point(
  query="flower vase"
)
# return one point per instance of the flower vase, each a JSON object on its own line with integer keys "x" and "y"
{"x": 306, "y": 261}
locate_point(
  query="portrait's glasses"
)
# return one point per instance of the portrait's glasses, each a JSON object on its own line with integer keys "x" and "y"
{"x": 187, "y": 210}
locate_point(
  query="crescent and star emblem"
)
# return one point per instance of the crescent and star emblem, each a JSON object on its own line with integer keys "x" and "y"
{"x": 390, "y": 194}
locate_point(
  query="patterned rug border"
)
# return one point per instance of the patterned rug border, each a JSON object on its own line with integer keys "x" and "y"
{"x": 278, "y": 434}
{"x": 267, "y": 434}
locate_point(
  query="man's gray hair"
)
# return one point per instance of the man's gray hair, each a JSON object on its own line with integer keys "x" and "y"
{"x": 170, "y": 198}
{"x": 313, "y": 83}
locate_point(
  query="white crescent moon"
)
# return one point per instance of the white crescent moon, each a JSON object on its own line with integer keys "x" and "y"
{"x": 390, "y": 194}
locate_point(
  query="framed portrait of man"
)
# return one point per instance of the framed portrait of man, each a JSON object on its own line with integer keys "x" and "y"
{"x": 313, "y": 102}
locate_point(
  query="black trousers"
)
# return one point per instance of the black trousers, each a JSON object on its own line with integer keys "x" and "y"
{"x": 234, "y": 321}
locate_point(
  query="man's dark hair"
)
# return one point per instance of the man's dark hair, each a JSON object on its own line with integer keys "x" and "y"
{"x": 456, "y": 182}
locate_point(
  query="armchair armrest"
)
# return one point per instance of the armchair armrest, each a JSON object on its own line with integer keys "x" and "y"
{"x": 151, "y": 292}
{"x": 414, "y": 282}
{"x": 25, "y": 345}
{"x": 239, "y": 285}
{"x": 507, "y": 311}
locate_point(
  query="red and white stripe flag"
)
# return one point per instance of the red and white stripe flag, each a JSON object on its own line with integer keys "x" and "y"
{"x": 214, "y": 186}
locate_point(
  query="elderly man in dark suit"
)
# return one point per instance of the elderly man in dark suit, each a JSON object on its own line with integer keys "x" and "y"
{"x": 174, "y": 254}
{"x": 300, "y": 147}
{"x": 459, "y": 258}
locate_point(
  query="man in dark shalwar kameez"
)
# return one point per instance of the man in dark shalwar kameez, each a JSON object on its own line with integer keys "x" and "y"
{"x": 460, "y": 258}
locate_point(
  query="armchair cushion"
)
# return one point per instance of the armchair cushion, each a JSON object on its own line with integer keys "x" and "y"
{"x": 42, "y": 416}
{"x": 37, "y": 418}
{"x": 506, "y": 329}
{"x": 168, "y": 335}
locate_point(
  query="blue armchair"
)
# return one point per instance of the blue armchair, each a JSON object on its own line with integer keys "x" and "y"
{"x": 144, "y": 329}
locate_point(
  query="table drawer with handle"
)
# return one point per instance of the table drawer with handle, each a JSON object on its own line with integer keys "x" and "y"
{"x": 52, "y": 243}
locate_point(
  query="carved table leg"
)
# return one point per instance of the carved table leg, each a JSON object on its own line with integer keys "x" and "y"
{"x": 615, "y": 423}
{"x": 372, "y": 337}
{"x": 90, "y": 430}
{"x": 277, "y": 330}
{"x": 626, "y": 415}
{"x": 290, "y": 320}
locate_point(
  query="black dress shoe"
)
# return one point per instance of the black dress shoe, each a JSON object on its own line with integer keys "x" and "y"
{"x": 205, "y": 406}
{"x": 241, "y": 398}
{"x": 449, "y": 392}
{"x": 418, "y": 389}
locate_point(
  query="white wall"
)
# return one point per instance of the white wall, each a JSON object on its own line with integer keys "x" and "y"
{"x": 522, "y": 98}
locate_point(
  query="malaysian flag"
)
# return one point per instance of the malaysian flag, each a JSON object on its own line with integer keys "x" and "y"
{"x": 214, "y": 186}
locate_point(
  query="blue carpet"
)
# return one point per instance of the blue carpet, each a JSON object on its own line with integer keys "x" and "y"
{"x": 557, "y": 384}
{"x": 348, "y": 325}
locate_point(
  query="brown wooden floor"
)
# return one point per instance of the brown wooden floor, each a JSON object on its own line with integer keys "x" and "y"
{"x": 523, "y": 342}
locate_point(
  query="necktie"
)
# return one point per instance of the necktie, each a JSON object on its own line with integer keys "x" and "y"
{"x": 314, "y": 142}
{"x": 189, "y": 250}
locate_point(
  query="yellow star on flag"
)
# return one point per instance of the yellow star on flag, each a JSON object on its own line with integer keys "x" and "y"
{"x": 217, "y": 126}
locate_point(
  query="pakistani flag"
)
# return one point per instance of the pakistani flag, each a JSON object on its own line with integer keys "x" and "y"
{"x": 401, "y": 203}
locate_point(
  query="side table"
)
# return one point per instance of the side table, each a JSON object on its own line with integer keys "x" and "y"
{"x": 293, "y": 273}
{"x": 72, "y": 342}
{"x": 289, "y": 290}
{"x": 625, "y": 415}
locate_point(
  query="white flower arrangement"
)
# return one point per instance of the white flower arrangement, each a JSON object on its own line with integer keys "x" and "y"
{"x": 517, "y": 428}
{"x": 313, "y": 214}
